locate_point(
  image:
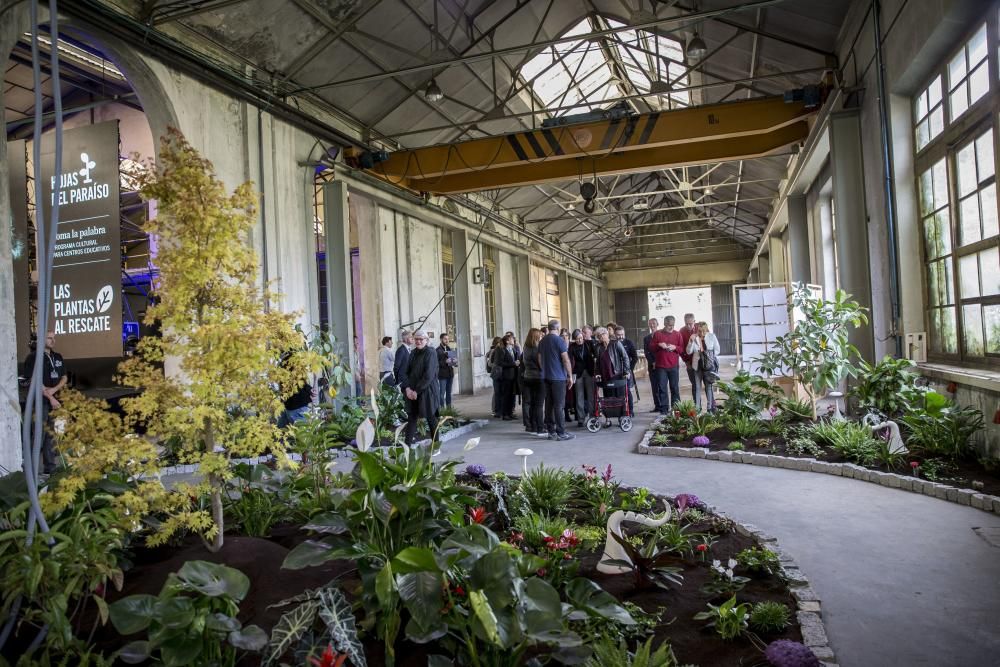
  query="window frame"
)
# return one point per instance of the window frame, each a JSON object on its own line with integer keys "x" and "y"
{"x": 981, "y": 116}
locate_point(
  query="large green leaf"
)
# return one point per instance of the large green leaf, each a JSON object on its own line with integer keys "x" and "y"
{"x": 385, "y": 586}
{"x": 133, "y": 613}
{"x": 214, "y": 580}
{"x": 337, "y": 615}
{"x": 327, "y": 522}
{"x": 415, "y": 559}
{"x": 174, "y": 613}
{"x": 421, "y": 591}
{"x": 588, "y": 598}
{"x": 484, "y": 614}
{"x": 220, "y": 622}
{"x": 495, "y": 574}
{"x": 180, "y": 651}
{"x": 134, "y": 653}
{"x": 251, "y": 638}
{"x": 308, "y": 554}
{"x": 291, "y": 627}
{"x": 540, "y": 604}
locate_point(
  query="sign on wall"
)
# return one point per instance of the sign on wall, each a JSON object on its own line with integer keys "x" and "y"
{"x": 86, "y": 309}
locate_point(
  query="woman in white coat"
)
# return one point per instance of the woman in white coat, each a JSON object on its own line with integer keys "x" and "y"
{"x": 703, "y": 347}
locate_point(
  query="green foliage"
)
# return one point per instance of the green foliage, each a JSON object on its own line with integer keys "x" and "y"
{"x": 398, "y": 499}
{"x": 609, "y": 652}
{"x": 650, "y": 565}
{"x": 597, "y": 628}
{"x": 816, "y": 353}
{"x": 759, "y": 559}
{"x": 230, "y": 349}
{"x": 546, "y": 490}
{"x": 888, "y": 387}
{"x": 855, "y": 442}
{"x": 803, "y": 445}
{"x": 748, "y": 395}
{"x": 936, "y": 469}
{"x": 192, "y": 621}
{"x": 321, "y": 617}
{"x": 535, "y": 527}
{"x": 704, "y": 424}
{"x": 639, "y": 499}
{"x": 823, "y": 432}
{"x": 336, "y": 370}
{"x": 261, "y": 499}
{"x": 724, "y": 579}
{"x": 742, "y": 425}
{"x": 596, "y": 491}
{"x": 729, "y": 619}
{"x": 885, "y": 457}
{"x": 769, "y": 617}
{"x": 941, "y": 428}
{"x": 660, "y": 439}
{"x": 735, "y": 446}
{"x": 796, "y": 409}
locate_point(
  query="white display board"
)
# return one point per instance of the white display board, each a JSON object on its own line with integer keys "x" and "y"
{"x": 762, "y": 314}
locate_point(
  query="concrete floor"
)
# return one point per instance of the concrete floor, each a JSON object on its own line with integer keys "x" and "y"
{"x": 903, "y": 578}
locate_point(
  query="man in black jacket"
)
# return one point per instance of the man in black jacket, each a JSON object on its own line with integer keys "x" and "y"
{"x": 633, "y": 359}
{"x": 402, "y": 359}
{"x": 421, "y": 387}
{"x": 647, "y": 350}
{"x": 446, "y": 369}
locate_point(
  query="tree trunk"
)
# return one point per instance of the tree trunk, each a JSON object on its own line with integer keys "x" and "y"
{"x": 216, "y": 483}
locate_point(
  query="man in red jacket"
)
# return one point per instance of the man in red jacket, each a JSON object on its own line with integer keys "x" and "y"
{"x": 667, "y": 345}
{"x": 686, "y": 332}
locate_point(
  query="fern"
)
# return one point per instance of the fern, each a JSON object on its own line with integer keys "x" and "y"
{"x": 609, "y": 653}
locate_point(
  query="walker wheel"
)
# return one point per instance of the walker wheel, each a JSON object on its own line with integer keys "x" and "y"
{"x": 625, "y": 424}
{"x": 593, "y": 424}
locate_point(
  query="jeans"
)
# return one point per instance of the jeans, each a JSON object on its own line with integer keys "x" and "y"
{"x": 289, "y": 417}
{"x": 709, "y": 395}
{"x": 668, "y": 378}
{"x": 533, "y": 405}
{"x": 583, "y": 392}
{"x": 445, "y": 385}
{"x": 555, "y": 404}
{"x": 694, "y": 377}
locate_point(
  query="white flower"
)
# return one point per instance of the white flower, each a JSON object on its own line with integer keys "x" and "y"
{"x": 731, "y": 563}
{"x": 717, "y": 564}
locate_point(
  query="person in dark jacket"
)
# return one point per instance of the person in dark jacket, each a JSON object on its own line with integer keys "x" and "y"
{"x": 507, "y": 359}
{"x": 647, "y": 350}
{"x": 421, "y": 388}
{"x": 494, "y": 372}
{"x": 446, "y": 369}
{"x": 612, "y": 365}
{"x": 402, "y": 359}
{"x": 633, "y": 359}
{"x": 580, "y": 360}
{"x": 532, "y": 394}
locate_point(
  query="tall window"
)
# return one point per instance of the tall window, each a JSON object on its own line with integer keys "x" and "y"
{"x": 489, "y": 289}
{"x": 552, "y": 295}
{"x": 956, "y": 169}
{"x": 448, "y": 275}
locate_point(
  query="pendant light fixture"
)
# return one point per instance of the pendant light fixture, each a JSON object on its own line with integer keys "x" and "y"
{"x": 433, "y": 93}
{"x": 696, "y": 48}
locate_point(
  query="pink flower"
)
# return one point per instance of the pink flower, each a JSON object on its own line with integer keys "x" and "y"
{"x": 607, "y": 474}
{"x": 914, "y": 464}
{"x": 702, "y": 548}
{"x": 589, "y": 471}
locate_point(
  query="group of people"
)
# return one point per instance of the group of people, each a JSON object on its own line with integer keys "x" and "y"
{"x": 557, "y": 374}
{"x": 665, "y": 349}
{"x": 423, "y": 374}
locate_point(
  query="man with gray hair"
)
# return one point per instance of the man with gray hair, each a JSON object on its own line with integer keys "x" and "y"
{"x": 557, "y": 378}
{"x": 402, "y": 359}
{"x": 422, "y": 399}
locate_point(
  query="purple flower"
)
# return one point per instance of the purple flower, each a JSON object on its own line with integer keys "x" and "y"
{"x": 700, "y": 440}
{"x": 607, "y": 475}
{"x": 686, "y": 500}
{"x": 475, "y": 470}
{"x": 786, "y": 653}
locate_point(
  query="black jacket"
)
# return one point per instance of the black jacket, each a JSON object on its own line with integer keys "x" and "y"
{"x": 421, "y": 375}
{"x": 633, "y": 355}
{"x": 400, "y": 366}
{"x": 619, "y": 359}
{"x": 577, "y": 359}
{"x": 647, "y": 351}
{"x": 507, "y": 360}
{"x": 445, "y": 369}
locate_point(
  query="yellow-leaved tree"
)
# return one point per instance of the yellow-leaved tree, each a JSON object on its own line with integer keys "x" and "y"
{"x": 236, "y": 360}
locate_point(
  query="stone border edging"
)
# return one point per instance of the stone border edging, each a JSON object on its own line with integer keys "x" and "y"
{"x": 808, "y": 610}
{"x": 340, "y": 452}
{"x": 967, "y": 497}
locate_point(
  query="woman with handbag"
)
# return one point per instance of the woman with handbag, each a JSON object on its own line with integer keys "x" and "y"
{"x": 703, "y": 348}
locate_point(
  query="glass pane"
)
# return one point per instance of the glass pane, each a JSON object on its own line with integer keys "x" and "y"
{"x": 989, "y": 268}
{"x": 988, "y": 206}
{"x": 920, "y": 106}
{"x": 972, "y": 329}
{"x": 956, "y": 69}
{"x": 977, "y": 47}
{"x": 937, "y": 121}
{"x": 984, "y": 155}
{"x": 932, "y": 238}
{"x": 927, "y": 191}
{"x": 939, "y": 282}
{"x": 979, "y": 82}
{"x": 968, "y": 276}
{"x": 991, "y": 317}
{"x": 959, "y": 101}
{"x": 949, "y": 331}
{"x": 934, "y": 92}
{"x": 923, "y": 133}
{"x": 969, "y": 221}
{"x": 966, "y": 169}
{"x": 944, "y": 230}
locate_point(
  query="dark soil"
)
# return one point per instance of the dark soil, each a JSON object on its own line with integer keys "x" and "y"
{"x": 965, "y": 472}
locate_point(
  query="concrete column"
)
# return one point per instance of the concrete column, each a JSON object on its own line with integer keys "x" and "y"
{"x": 850, "y": 218}
{"x": 565, "y": 301}
{"x": 369, "y": 238}
{"x": 340, "y": 299}
{"x": 523, "y": 289}
{"x": 907, "y": 216}
{"x": 588, "y": 302}
{"x": 460, "y": 243}
{"x": 764, "y": 268}
{"x": 798, "y": 239}
{"x": 13, "y": 22}
{"x": 777, "y": 256}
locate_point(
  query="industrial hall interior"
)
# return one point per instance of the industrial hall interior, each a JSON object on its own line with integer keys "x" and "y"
{"x": 500, "y": 333}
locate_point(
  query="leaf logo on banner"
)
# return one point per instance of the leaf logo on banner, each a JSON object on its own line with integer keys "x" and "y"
{"x": 105, "y": 297}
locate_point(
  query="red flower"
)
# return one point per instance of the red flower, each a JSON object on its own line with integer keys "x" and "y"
{"x": 459, "y": 591}
{"x": 478, "y": 515}
{"x": 328, "y": 659}
{"x": 914, "y": 464}
{"x": 542, "y": 571}
{"x": 702, "y": 548}
{"x": 516, "y": 537}
{"x": 691, "y": 413}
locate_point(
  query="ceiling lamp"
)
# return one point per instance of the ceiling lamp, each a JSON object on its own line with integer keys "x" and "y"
{"x": 432, "y": 93}
{"x": 696, "y": 48}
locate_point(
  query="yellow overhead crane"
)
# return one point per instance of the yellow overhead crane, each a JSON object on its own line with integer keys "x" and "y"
{"x": 622, "y": 143}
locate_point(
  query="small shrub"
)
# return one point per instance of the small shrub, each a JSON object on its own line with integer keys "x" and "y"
{"x": 743, "y": 425}
{"x": 769, "y": 616}
{"x": 686, "y": 408}
{"x": 535, "y": 527}
{"x": 757, "y": 559}
{"x": 546, "y": 489}
{"x": 795, "y": 409}
{"x": 609, "y": 652}
{"x": 887, "y": 387}
{"x": 590, "y": 537}
{"x": 735, "y": 446}
{"x": 941, "y": 428}
{"x": 660, "y": 440}
{"x": 802, "y": 445}
{"x": 762, "y": 443}
{"x": 729, "y": 619}
{"x": 824, "y": 432}
{"x": 936, "y": 469}
{"x": 885, "y": 457}
{"x": 856, "y": 443}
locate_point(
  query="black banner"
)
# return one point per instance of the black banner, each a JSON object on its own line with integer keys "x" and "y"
{"x": 19, "y": 246}
{"x": 86, "y": 310}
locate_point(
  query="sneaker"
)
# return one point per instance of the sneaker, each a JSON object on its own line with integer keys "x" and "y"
{"x": 542, "y": 434}
{"x": 552, "y": 436}
{"x": 564, "y": 436}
